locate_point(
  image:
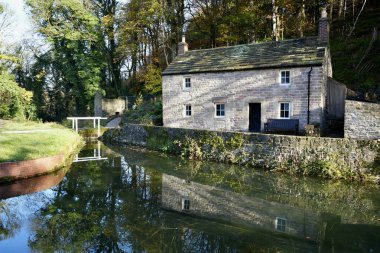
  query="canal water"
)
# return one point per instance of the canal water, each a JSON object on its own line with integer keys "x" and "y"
{"x": 132, "y": 200}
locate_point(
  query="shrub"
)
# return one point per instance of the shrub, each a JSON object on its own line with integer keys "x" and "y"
{"x": 15, "y": 102}
{"x": 145, "y": 112}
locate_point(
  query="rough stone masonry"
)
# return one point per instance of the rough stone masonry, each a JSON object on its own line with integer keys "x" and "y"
{"x": 338, "y": 157}
{"x": 362, "y": 120}
{"x": 237, "y": 90}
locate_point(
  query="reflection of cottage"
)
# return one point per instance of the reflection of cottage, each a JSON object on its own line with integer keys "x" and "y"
{"x": 215, "y": 203}
{"x": 210, "y": 202}
{"x": 242, "y": 87}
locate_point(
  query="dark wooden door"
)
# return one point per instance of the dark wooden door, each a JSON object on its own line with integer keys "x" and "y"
{"x": 255, "y": 117}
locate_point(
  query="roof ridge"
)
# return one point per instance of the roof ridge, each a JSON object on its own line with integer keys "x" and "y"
{"x": 251, "y": 44}
{"x": 286, "y": 53}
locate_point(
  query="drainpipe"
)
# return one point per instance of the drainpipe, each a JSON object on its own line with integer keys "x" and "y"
{"x": 308, "y": 95}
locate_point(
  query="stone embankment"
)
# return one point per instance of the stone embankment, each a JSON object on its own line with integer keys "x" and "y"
{"x": 334, "y": 158}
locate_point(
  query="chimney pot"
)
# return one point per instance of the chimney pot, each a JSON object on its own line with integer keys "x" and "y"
{"x": 324, "y": 13}
{"x": 183, "y": 47}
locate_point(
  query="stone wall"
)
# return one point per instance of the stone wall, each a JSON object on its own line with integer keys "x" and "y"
{"x": 237, "y": 90}
{"x": 326, "y": 157}
{"x": 98, "y": 104}
{"x": 362, "y": 120}
{"x": 112, "y": 106}
{"x": 104, "y": 107}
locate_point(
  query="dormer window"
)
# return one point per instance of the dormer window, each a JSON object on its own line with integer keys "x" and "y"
{"x": 187, "y": 82}
{"x": 285, "y": 77}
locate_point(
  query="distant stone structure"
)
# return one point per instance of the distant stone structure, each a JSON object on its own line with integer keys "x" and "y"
{"x": 104, "y": 107}
{"x": 362, "y": 120}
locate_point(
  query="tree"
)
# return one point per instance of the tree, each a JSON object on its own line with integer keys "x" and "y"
{"x": 153, "y": 80}
{"x": 15, "y": 102}
{"x": 139, "y": 37}
{"x": 76, "y": 63}
{"x": 107, "y": 13}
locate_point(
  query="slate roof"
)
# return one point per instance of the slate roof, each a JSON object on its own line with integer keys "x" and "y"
{"x": 286, "y": 53}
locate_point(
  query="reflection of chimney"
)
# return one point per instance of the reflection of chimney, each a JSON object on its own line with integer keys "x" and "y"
{"x": 324, "y": 27}
{"x": 183, "y": 47}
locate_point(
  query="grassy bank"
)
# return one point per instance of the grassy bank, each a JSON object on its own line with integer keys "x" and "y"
{"x": 30, "y": 140}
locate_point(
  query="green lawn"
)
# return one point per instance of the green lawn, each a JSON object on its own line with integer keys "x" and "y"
{"x": 52, "y": 139}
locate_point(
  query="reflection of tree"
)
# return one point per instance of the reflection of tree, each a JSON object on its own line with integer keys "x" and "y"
{"x": 9, "y": 223}
{"x": 358, "y": 203}
{"x": 102, "y": 208}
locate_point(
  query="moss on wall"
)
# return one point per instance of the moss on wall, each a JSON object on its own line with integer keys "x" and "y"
{"x": 330, "y": 158}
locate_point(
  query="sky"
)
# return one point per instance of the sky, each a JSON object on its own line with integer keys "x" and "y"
{"x": 21, "y": 24}
{"x": 21, "y": 27}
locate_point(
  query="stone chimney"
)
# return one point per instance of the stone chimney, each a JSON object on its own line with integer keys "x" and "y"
{"x": 324, "y": 27}
{"x": 183, "y": 47}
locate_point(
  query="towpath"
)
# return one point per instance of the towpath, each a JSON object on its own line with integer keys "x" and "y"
{"x": 114, "y": 123}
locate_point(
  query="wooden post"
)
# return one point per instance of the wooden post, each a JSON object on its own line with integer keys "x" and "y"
{"x": 98, "y": 127}
{"x": 76, "y": 125}
{"x": 72, "y": 124}
{"x": 94, "y": 123}
{"x": 99, "y": 149}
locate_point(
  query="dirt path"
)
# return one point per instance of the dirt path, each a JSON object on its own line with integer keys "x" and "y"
{"x": 114, "y": 123}
{"x": 26, "y": 131}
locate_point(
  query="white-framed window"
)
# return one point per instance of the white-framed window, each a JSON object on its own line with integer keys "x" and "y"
{"x": 188, "y": 111}
{"x": 187, "y": 83}
{"x": 281, "y": 224}
{"x": 285, "y": 77}
{"x": 220, "y": 110}
{"x": 285, "y": 110}
{"x": 185, "y": 204}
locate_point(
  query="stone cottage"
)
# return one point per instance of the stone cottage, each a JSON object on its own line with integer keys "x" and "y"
{"x": 240, "y": 87}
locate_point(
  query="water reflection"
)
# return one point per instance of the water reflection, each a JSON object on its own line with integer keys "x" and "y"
{"x": 210, "y": 202}
{"x": 216, "y": 203}
{"x": 95, "y": 156}
{"x": 31, "y": 185}
{"x": 121, "y": 205}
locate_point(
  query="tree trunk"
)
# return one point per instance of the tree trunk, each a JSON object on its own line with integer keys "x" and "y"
{"x": 302, "y": 17}
{"x": 341, "y": 6}
{"x": 275, "y": 34}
